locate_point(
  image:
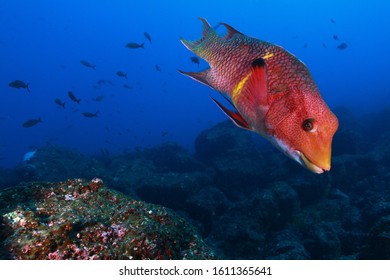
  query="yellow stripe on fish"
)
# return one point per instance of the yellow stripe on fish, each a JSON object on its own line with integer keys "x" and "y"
{"x": 238, "y": 88}
{"x": 268, "y": 55}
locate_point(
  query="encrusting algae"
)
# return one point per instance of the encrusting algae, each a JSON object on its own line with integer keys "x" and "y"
{"x": 78, "y": 219}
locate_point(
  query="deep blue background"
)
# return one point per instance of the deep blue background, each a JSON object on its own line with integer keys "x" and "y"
{"x": 43, "y": 41}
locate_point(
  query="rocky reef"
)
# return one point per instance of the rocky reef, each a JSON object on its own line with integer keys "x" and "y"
{"x": 77, "y": 219}
{"x": 247, "y": 200}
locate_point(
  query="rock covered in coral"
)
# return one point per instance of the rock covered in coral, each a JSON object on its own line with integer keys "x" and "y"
{"x": 78, "y": 219}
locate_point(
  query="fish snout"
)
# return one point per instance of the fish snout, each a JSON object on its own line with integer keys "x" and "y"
{"x": 316, "y": 151}
{"x": 314, "y": 167}
{"x": 317, "y": 158}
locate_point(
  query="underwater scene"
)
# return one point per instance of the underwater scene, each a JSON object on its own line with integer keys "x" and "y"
{"x": 222, "y": 130}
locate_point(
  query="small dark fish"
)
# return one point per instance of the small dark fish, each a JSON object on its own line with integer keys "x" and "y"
{"x": 87, "y": 64}
{"x": 164, "y": 133}
{"x": 104, "y": 82}
{"x": 336, "y": 37}
{"x": 157, "y": 68}
{"x": 323, "y": 45}
{"x": 127, "y": 86}
{"x": 332, "y": 20}
{"x": 195, "y": 60}
{"x": 101, "y": 82}
{"x": 19, "y": 84}
{"x": 305, "y": 46}
{"x": 110, "y": 83}
{"x": 73, "y": 97}
{"x": 31, "y": 123}
{"x": 342, "y": 46}
{"x": 90, "y": 115}
{"x": 134, "y": 45}
{"x": 148, "y": 37}
{"x": 98, "y": 98}
{"x": 121, "y": 74}
{"x": 59, "y": 102}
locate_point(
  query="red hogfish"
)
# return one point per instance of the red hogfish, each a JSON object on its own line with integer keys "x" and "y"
{"x": 272, "y": 92}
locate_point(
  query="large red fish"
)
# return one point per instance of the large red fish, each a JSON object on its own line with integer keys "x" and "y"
{"x": 272, "y": 91}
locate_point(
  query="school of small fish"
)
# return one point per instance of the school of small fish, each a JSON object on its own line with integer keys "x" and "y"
{"x": 73, "y": 97}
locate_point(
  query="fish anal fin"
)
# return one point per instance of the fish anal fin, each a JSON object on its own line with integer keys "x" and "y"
{"x": 200, "y": 77}
{"x": 237, "y": 119}
{"x": 231, "y": 31}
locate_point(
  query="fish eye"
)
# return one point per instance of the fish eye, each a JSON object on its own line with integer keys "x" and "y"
{"x": 308, "y": 125}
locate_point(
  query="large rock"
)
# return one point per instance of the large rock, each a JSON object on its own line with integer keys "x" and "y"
{"x": 239, "y": 162}
{"x": 220, "y": 140}
{"x": 77, "y": 219}
{"x": 378, "y": 246}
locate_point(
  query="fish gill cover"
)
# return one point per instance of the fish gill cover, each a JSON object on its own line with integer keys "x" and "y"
{"x": 92, "y": 87}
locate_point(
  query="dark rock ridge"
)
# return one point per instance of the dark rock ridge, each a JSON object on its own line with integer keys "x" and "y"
{"x": 247, "y": 199}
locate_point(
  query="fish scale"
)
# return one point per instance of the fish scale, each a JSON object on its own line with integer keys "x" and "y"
{"x": 272, "y": 92}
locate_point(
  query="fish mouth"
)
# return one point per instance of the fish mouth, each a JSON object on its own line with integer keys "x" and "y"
{"x": 309, "y": 165}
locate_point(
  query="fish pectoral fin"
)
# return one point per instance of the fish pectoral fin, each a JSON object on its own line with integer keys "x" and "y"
{"x": 254, "y": 91}
{"x": 200, "y": 77}
{"x": 237, "y": 119}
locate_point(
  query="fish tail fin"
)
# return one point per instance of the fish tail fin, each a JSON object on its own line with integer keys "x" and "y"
{"x": 142, "y": 45}
{"x": 201, "y": 77}
{"x": 78, "y": 101}
{"x": 39, "y": 119}
{"x": 28, "y": 88}
{"x": 208, "y": 34}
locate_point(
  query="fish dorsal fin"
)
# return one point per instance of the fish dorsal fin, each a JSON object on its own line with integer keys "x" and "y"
{"x": 231, "y": 31}
{"x": 208, "y": 34}
{"x": 237, "y": 119}
{"x": 206, "y": 26}
{"x": 200, "y": 77}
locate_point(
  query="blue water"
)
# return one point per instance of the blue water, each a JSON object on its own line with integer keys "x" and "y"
{"x": 43, "y": 41}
